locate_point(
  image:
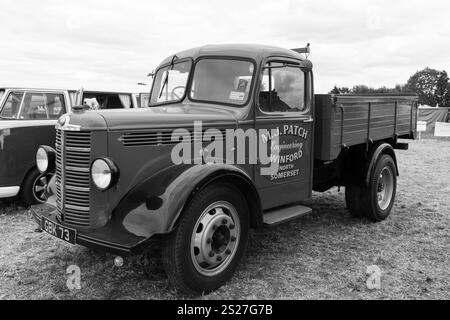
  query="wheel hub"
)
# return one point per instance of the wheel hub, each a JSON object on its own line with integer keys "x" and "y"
{"x": 385, "y": 188}
{"x": 220, "y": 239}
{"x": 215, "y": 239}
{"x": 40, "y": 185}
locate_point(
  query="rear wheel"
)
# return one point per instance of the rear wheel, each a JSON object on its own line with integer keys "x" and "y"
{"x": 33, "y": 188}
{"x": 374, "y": 201}
{"x": 204, "y": 251}
{"x": 380, "y": 195}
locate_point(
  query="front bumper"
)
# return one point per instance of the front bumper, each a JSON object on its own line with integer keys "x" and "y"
{"x": 112, "y": 238}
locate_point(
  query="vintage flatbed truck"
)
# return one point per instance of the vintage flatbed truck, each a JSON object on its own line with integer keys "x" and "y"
{"x": 117, "y": 183}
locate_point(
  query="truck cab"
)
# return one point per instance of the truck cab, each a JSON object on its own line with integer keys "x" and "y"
{"x": 233, "y": 139}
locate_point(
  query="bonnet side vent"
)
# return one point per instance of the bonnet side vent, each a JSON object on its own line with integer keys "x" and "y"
{"x": 151, "y": 138}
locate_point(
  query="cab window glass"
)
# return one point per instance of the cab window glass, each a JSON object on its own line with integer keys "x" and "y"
{"x": 282, "y": 88}
{"x": 169, "y": 84}
{"x": 223, "y": 81}
{"x": 42, "y": 106}
{"x": 11, "y": 107}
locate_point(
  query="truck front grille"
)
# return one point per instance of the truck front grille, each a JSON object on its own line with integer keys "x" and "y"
{"x": 73, "y": 155}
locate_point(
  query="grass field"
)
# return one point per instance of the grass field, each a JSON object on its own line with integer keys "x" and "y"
{"x": 321, "y": 256}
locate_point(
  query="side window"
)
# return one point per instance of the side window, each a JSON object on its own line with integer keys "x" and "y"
{"x": 12, "y": 105}
{"x": 42, "y": 106}
{"x": 55, "y": 105}
{"x": 282, "y": 88}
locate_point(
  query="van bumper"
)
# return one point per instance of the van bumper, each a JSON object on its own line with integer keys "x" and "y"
{"x": 9, "y": 192}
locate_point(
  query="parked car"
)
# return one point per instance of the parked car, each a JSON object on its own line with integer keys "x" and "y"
{"x": 120, "y": 180}
{"x": 27, "y": 120}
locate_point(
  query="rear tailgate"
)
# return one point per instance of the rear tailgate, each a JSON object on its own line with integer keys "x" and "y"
{"x": 348, "y": 120}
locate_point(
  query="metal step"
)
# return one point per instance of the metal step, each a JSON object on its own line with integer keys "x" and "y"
{"x": 286, "y": 214}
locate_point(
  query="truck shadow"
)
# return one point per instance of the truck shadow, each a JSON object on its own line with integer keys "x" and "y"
{"x": 310, "y": 236}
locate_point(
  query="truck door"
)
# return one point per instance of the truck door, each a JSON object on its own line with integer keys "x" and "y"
{"x": 284, "y": 108}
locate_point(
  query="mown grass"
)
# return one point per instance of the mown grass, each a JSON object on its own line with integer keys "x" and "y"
{"x": 321, "y": 256}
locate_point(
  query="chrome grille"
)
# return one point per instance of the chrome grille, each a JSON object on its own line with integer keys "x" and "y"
{"x": 59, "y": 173}
{"x": 72, "y": 176}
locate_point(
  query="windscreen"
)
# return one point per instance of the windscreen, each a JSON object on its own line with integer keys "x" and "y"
{"x": 11, "y": 107}
{"x": 223, "y": 81}
{"x": 169, "y": 84}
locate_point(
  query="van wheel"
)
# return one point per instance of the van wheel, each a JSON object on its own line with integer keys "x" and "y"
{"x": 203, "y": 252}
{"x": 380, "y": 195}
{"x": 33, "y": 188}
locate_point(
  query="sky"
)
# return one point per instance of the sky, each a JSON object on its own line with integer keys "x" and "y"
{"x": 113, "y": 45}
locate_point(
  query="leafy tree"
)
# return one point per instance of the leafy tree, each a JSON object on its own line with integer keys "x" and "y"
{"x": 363, "y": 89}
{"x": 338, "y": 90}
{"x": 335, "y": 90}
{"x": 442, "y": 90}
{"x": 432, "y": 87}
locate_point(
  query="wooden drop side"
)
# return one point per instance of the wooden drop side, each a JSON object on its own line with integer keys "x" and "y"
{"x": 347, "y": 120}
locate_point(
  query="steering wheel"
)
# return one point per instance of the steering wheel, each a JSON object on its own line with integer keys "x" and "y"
{"x": 176, "y": 96}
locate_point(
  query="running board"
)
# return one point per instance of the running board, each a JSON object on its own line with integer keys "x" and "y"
{"x": 278, "y": 216}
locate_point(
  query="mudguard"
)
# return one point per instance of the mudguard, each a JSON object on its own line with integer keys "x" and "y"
{"x": 154, "y": 205}
{"x": 374, "y": 154}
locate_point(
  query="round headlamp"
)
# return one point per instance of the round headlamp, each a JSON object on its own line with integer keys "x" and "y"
{"x": 104, "y": 173}
{"x": 45, "y": 159}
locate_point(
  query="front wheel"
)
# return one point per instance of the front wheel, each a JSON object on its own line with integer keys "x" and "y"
{"x": 205, "y": 249}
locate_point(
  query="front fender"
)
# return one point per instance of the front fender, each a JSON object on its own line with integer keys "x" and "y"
{"x": 154, "y": 205}
{"x": 19, "y": 142}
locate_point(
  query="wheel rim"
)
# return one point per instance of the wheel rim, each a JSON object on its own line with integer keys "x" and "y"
{"x": 39, "y": 187}
{"x": 385, "y": 188}
{"x": 215, "y": 238}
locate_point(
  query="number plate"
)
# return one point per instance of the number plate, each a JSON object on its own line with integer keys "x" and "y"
{"x": 58, "y": 231}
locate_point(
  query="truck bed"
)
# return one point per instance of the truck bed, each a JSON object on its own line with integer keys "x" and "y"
{"x": 346, "y": 120}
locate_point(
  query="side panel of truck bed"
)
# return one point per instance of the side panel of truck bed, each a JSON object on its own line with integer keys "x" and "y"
{"x": 348, "y": 120}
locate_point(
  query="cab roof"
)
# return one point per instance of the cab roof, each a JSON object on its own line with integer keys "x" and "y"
{"x": 252, "y": 51}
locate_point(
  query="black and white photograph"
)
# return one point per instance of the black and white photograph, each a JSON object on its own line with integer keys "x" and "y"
{"x": 224, "y": 155}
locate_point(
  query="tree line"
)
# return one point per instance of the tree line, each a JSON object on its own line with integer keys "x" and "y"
{"x": 432, "y": 87}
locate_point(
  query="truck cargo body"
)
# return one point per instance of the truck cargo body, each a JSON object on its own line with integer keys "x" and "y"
{"x": 343, "y": 121}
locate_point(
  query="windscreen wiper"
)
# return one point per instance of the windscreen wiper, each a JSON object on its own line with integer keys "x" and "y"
{"x": 166, "y": 79}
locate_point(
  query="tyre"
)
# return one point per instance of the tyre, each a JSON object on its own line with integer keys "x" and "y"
{"x": 203, "y": 252}
{"x": 354, "y": 200}
{"x": 380, "y": 194}
{"x": 33, "y": 188}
